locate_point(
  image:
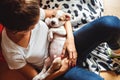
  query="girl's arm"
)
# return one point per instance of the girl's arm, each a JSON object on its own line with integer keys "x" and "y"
{"x": 28, "y": 71}
{"x": 61, "y": 71}
{"x": 69, "y": 45}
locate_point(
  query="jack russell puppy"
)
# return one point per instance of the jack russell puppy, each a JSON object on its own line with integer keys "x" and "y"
{"x": 57, "y": 37}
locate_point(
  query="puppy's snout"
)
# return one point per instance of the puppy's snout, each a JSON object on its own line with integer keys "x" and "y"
{"x": 52, "y": 22}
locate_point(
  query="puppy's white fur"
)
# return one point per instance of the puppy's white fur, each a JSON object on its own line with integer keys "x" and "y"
{"x": 57, "y": 37}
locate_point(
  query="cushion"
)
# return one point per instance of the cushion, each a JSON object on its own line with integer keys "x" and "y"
{"x": 82, "y": 11}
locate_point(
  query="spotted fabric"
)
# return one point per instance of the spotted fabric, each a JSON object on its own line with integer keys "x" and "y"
{"x": 99, "y": 60}
{"x": 84, "y": 11}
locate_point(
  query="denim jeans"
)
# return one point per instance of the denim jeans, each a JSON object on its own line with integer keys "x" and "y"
{"x": 104, "y": 29}
{"x": 77, "y": 73}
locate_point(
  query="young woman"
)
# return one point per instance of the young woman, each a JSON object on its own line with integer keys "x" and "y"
{"x": 25, "y": 45}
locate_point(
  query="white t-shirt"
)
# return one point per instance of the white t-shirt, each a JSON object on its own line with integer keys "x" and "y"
{"x": 42, "y": 14}
{"x": 36, "y": 52}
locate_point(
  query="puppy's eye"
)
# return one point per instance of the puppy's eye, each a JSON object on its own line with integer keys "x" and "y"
{"x": 53, "y": 15}
{"x": 60, "y": 19}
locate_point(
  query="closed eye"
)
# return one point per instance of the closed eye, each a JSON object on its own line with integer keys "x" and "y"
{"x": 60, "y": 19}
{"x": 53, "y": 16}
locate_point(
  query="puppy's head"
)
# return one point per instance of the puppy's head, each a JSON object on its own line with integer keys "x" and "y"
{"x": 58, "y": 19}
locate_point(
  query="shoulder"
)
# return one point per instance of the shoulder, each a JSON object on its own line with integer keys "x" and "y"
{"x": 40, "y": 27}
{"x": 42, "y": 14}
{"x": 41, "y": 24}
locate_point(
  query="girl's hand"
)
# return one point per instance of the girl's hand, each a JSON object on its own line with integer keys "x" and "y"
{"x": 70, "y": 51}
{"x": 69, "y": 46}
{"x": 62, "y": 70}
{"x": 65, "y": 65}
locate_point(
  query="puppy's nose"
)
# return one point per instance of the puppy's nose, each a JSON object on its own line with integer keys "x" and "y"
{"x": 52, "y": 22}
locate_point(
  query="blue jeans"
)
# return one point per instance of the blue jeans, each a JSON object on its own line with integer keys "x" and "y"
{"x": 104, "y": 29}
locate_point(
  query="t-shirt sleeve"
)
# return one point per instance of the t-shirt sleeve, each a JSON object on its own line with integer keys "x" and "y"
{"x": 12, "y": 53}
{"x": 15, "y": 60}
{"x": 42, "y": 14}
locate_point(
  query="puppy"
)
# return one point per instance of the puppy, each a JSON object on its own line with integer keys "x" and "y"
{"x": 57, "y": 37}
{"x": 57, "y": 33}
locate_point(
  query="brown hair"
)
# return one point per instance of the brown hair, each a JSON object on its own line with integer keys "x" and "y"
{"x": 19, "y": 15}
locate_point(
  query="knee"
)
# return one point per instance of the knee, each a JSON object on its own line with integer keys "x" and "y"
{"x": 6, "y": 74}
{"x": 12, "y": 75}
{"x": 112, "y": 22}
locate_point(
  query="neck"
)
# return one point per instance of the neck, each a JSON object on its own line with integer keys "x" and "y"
{"x": 19, "y": 38}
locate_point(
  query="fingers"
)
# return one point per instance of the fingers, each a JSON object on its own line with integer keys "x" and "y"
{"x": 72, "y": 62}
{"x": 64, "y": 52}
{"x": 72, "y": 58}
{"x": 72, "y": 54}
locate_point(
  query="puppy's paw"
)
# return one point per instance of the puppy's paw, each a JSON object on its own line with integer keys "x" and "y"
{"x": 42, "y": 77}
{"x": 50, "y": 36}
{"x": 37, "y": 77}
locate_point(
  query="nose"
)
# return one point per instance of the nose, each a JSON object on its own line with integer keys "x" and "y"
{"x": 52, "y": 22}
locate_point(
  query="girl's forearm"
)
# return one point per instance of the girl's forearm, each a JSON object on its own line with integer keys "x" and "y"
{"x": 69, "y": 31}
{"x": 28, "y": 71}
{"x": 50, "y": 12}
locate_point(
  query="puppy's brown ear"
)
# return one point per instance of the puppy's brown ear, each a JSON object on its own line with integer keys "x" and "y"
{"x": 68, "y": 17}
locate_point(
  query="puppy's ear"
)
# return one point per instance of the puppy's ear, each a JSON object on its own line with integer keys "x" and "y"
{"x": 67, "y": 16}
